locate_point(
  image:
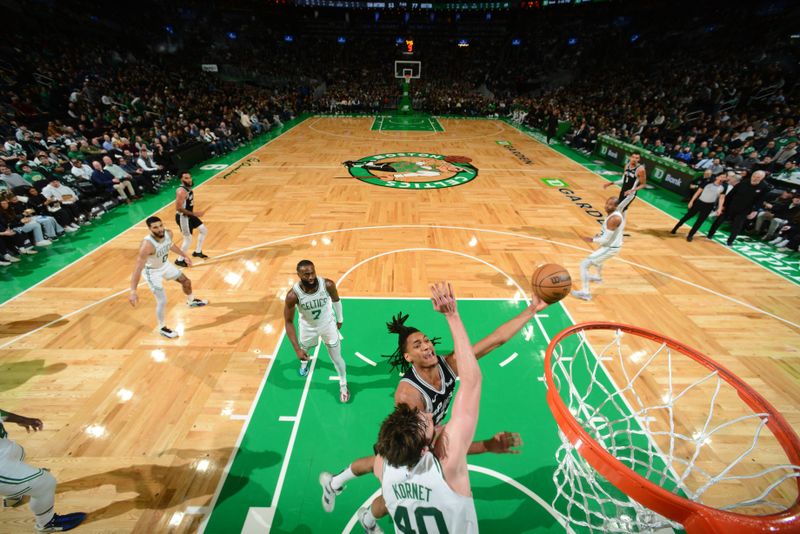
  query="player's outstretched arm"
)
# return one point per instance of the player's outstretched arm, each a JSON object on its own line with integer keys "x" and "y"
{"x": 507, "y": 330}
{"x": 29, "y": 423}
{"x": 288, "y": 320}
{"x": 500, "y": 443}
{"x": 145, "y": 250}
{"x": 457, "y": 437}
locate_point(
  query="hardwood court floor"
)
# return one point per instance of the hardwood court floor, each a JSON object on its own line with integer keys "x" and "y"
{"x": 138, "y": 427}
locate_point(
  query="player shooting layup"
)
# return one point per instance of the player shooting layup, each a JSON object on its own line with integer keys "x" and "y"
{"x": 424, "y": 482}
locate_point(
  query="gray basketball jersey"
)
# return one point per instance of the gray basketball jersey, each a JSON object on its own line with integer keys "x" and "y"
{"x": 419, "y": 499}
{"x": 316, "y": 310}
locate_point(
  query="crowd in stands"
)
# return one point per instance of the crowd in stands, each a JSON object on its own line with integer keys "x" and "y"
{"x": 89, "y": 126}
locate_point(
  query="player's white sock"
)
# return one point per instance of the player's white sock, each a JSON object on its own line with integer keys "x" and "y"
{"x": 190, "y": 297}
{"x": 187, "y": 240}
{"x": 201, "y": 236}
{"x": 304, "y": 363}
{"x": 335, "y": 353}
{"x": 369, "y": 519}
{"x": 338, "y": 481}
{"x": 161, "y": 306}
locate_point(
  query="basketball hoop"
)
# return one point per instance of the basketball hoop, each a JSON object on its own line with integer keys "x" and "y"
{"x": 407, "y": 78}
{"x": 628, "y": 464}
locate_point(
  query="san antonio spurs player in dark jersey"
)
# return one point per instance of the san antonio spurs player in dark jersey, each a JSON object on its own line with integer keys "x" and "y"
{"x": 428, "y": 384}
{"x": 188, "y": 219}
{"x": 634, "y": 178}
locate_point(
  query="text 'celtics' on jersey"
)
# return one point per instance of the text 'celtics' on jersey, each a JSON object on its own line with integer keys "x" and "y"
{"x": 315, "y": 309}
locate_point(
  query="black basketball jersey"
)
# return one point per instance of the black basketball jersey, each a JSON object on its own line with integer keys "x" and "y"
{"x": 188, "y": 203}
{"x": 629, "y": 178}
{"x": 436, "y": 401}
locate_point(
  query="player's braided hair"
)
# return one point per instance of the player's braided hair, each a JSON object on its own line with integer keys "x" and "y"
{"x": 397, "y": 326}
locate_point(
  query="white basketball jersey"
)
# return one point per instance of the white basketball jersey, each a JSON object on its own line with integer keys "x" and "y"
{"x": 161, "y": 255}
{"x": 615, "y": 240}
{"x": 316, "y": 310}
{"x": 419, "y": 500}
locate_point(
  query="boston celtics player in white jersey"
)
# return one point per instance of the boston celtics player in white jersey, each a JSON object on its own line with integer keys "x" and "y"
{"x": 153, "y": 259}
{"x": 610, "y": 241}
{"x": 320, "y": 309}
{"x": 423, "y": 483}
{"x": 19, "y": 480}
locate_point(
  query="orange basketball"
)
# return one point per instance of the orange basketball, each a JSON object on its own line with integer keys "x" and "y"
{"x": 551, "y": 282}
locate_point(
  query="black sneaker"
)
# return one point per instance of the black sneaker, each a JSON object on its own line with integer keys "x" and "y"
{"x": 197, "y": 303}
{"x": 181, "y": 263}
{"x": 199, "y": 255}
{"x": 61, "y": 523}
{"x": 166, "y": 332}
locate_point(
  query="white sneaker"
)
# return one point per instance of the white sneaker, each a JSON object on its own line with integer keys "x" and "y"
{"x": 4, "y": 262}
{"x": 328, "y": 493}
{"x": 166, "y": 332}
{"x": 344, "y": 394}
{"x": 28, "y": 250}
{"x": 70, "y": 229}
{"x": 44, "y": 243}
{"x": 583, "y": 295}
{"x": 782, "y": 243}
{"x": 376, "y": 529}
{"x": 12, "y": 259}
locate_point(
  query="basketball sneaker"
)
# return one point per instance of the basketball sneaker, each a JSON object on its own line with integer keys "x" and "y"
{"x": 374, "y": 529}
{"x": 344, "y": 394}
{"x": 199, "y": 255}
{"x": 61, "y": 523}
{"x": 583, "y": 295}
{"x": 197, "y": 303}
{"x": 181, "y": 263}
{"x": 595, "y": 279}
{"x": 328, "y": 493}
{"x": 348, "y": 163}
{"x": 166, "y": 332}
{"x": 303, "y": 369}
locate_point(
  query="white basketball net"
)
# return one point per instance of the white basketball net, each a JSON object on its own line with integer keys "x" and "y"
{"x": 651, "y": 435}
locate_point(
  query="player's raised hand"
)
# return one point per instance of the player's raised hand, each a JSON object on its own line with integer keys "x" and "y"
{"x": 536, "y": 304}
{"x": 443, "y": 298}
{"x": 133, "y": 298}
{"x": 502, "y": 443}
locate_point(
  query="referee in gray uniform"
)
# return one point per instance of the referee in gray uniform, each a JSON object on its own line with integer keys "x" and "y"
{"x": 702, "y": 203}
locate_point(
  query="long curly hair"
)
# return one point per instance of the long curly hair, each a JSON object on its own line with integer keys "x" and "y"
{"x": 398, "y": 326}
